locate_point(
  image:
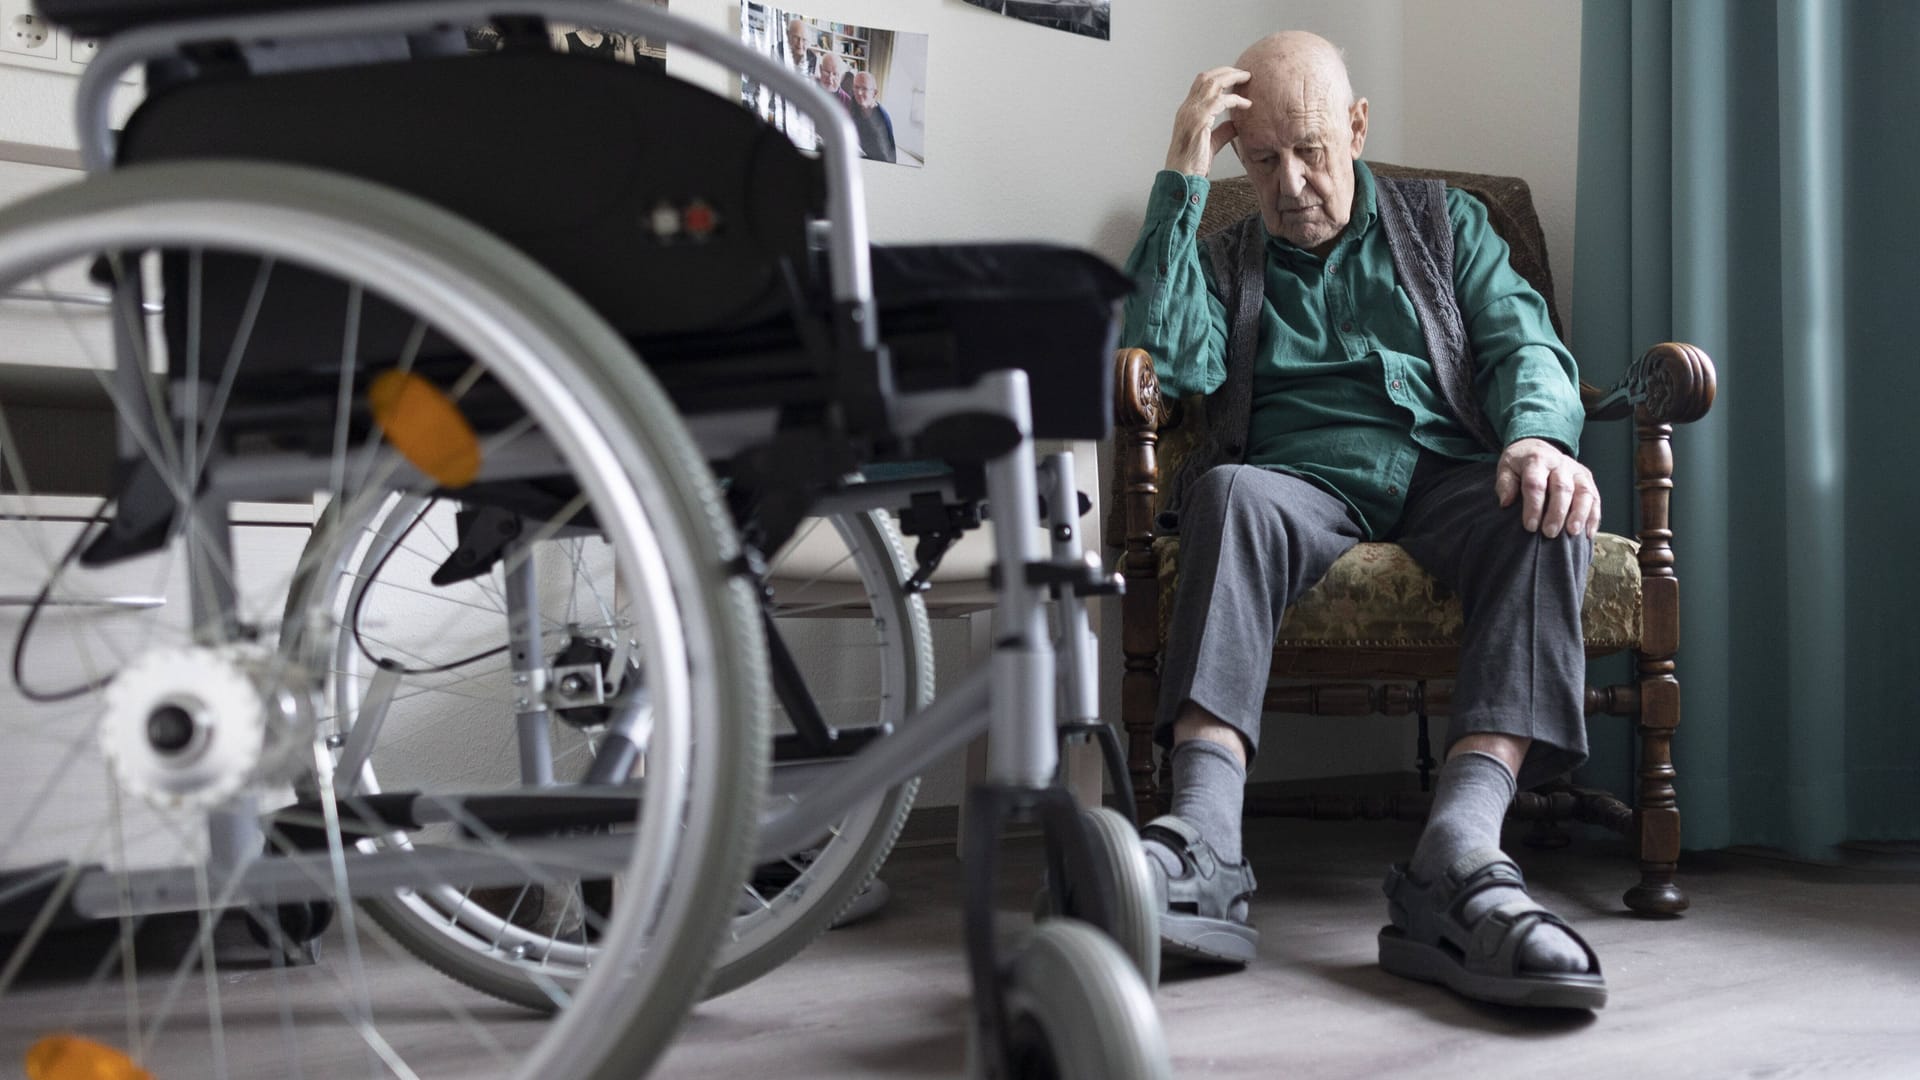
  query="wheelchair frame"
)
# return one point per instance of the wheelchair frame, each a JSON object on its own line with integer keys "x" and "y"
{"x": 1012, "y": 698}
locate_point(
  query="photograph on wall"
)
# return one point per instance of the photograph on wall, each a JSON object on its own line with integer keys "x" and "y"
{"x": 583, "y": 41}
{"x": 1092, "y": 18}
{"x": 878, "y": 76}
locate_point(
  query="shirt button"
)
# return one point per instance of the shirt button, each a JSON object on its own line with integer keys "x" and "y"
{"x": 1393, "y": 489}
{"x": 1194, "y": 199}
{"x": 1332, "y": 266}
{"x": 1346, "y": 327}
{"x": 1395, "y": 384}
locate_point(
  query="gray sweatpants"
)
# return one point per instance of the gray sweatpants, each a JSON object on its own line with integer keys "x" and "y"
{"x": 1252, "y": 541}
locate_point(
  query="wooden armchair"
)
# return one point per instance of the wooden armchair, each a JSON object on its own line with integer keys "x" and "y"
{"x": 1384, "y": 632}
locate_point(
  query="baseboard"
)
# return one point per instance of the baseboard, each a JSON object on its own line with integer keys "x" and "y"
{"x": 929, "y": 825}
{"x": 1386, "y": 783}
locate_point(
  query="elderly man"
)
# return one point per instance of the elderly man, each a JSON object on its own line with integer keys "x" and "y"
{"x": 827, "y": 74}
{"x": 870, "y": 119}
{"x": 783, "y": 114}
{"x": 1375, "y": 370}
{"x": 794, "y": 49}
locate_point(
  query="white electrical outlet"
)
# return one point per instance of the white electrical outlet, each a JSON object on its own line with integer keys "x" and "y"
{"x": 78, "y": 50}
{"x": 25, "y": 31}
{"x": 27, "y": 40}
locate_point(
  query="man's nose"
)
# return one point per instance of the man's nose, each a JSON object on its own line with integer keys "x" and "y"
{"x": 1293, "y": 177}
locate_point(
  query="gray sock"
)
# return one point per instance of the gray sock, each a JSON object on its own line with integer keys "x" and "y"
{"x": 1470, "y": 800}
{"x": 1208, "y": 786}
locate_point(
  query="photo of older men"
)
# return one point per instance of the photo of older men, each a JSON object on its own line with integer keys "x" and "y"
{"x": 878, "y": 76}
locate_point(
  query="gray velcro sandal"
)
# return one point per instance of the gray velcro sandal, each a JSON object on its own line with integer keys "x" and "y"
{"x": 1196, "y": 906}
{"x": 1431, "y": 940}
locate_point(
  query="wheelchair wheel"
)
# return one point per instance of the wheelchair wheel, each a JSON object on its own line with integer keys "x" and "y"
{"x": 1121, "y": 867}
{"x": 307, "y": 338}
{"x": 835, "y": 600}
{"x": 866, "y": 649}
{"x": 533, "y": 943}
{"x": 1076, "y": 1010}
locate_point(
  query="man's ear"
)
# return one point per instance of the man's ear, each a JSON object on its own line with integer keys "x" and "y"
{"x": 1357, "y": 118}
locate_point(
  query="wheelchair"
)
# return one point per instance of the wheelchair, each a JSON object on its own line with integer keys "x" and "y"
{"x": 572, "y": 355}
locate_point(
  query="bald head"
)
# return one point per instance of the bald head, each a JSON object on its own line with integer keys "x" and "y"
{"x": 1300, "y": 135}
{"x": 1303, "y": 63}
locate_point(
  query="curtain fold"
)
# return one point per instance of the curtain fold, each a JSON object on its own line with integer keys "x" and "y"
{"x": 1747, "y": 183}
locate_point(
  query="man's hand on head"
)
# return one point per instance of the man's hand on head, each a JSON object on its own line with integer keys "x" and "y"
{"x": 1196, "y": 141}
{"x": 1556, "y": 491}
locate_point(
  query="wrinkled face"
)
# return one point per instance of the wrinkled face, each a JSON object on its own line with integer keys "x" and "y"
{"x": 796, "y": 39}
{"x": 828, "y": 72}
{"x": 863, "y": 90}
{"x": 1299, "y": 146}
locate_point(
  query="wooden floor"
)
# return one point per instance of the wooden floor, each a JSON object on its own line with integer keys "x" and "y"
{"x": 1778, "y": 971}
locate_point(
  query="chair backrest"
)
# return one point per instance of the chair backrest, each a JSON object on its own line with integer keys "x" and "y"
{"x": 604, "y": 173}
{"x": 1508, "y": 199}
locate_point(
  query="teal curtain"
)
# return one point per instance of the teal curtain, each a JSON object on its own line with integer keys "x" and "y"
{"x": 1749, "y": 181}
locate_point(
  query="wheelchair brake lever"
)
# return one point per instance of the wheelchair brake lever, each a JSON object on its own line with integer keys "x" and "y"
{"x": 928, "y": 553}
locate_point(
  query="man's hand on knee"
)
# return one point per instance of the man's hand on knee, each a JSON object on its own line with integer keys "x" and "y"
{"x": 1556, "y": 491}
{"x": 1196, "y": 141}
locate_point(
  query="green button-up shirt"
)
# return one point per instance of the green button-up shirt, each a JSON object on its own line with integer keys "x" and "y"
{"x": 1343, "y": 392}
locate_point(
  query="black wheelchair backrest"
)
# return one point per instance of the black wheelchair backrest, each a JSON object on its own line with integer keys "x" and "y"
{"x": 669, "y": 209}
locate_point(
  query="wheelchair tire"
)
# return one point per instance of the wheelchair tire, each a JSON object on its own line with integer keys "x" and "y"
{"x": 601, "y": 419}
{"x": 475, "y": 942}
{"x": 1077, "y": 1010}
{"x": 1122, "y": 867}
{"x": 775, "y": 928}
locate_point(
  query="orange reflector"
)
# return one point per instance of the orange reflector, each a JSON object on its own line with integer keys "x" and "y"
{"x": 426, "y": 427}
{"x": 70, "y": 1057}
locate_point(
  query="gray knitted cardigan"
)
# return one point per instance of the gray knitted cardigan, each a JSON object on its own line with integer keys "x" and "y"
{"x": 1414, "y": 215}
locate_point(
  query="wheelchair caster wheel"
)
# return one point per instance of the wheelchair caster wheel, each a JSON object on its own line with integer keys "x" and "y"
{"x": 1122, "y": 869}
{"x": 291, "y": 930}
{"x": 1077, "y": 1010}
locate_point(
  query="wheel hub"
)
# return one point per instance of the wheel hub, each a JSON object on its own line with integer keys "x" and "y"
{"x": 192, "y": 727}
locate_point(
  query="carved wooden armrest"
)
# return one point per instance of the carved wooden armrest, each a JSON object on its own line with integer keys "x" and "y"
{"x": 1136, "y": 392}
{"x": 1673, "y": 383}
{"x": 1138, "y": 410}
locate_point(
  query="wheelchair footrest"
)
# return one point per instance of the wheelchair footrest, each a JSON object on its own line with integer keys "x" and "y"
{"x": 844, "y": 742}
{"x": 532, "y": 813}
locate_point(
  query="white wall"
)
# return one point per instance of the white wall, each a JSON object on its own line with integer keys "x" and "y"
{"x": 1499, "y": 92}
{"x": 1037, "y": 134}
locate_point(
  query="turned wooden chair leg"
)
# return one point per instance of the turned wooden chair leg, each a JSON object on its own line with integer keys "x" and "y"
{"x": 1657, "y": 811}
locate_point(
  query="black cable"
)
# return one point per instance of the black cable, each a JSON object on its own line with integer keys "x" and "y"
{"x": 353, "y": 617}
{"x": 33, "y": 616}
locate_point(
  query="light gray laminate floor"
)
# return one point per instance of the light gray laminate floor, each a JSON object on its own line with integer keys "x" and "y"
{"x": 1778, "y": 971}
